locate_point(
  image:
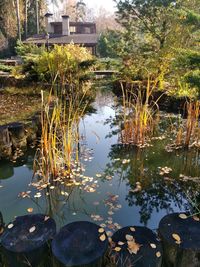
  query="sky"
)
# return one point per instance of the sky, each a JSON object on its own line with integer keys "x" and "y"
{"x": 95, "y": 4}
{"x": 107, "y": 4}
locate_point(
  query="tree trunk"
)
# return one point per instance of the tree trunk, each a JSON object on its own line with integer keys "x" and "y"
{"x": 18, "y": 19}
{"x": 37, "y": 17}
{"x": 26, "y": 19}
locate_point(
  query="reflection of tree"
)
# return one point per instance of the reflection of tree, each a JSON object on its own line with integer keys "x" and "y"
{"x": 158, "y": 192}
{"x": 7, "y": 166}
{"x": 159, "y": 196}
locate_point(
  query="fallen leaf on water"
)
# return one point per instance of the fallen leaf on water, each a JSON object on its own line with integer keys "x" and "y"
{"x": 30, "y": 210}
{"x": 132, "y": 229}
{"x": 1, "y": 230}
{"x": 101, "y": 230}
{"x": 182, "y": 216}
{"x": 46, "y": 218}
{"x": 117, "y": 249}
{"x": 177, "y": 238}
{"x": 153, "y": 245}
{"x": 196, "y": 218}
{"x": 133, "y": 247}
{"x": 102, "y": 237}
{"x": 32, "y": 229}
{"x": 52, "y": 187}
{"x": 129, "y": 237}
{"x": 120, "y": 243}
{"x": 10, "y": 226}
{"x": 158, "y": 254}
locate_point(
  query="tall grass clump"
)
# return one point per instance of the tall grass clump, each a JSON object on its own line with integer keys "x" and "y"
{"x": 138, "y": 113}
{"x": 188, "y": 134}
{"x": 65, "y": 67}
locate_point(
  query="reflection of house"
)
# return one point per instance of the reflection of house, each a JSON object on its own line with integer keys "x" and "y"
{"x": 65, "y": 32}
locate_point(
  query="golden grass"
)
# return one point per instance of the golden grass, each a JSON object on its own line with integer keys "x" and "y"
{"x": 138, "y": 114}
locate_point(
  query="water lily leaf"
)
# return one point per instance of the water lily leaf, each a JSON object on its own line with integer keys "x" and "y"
{"x": 182, "y": 216}
{"x": 102, "y": 237}
{"x": 32, "y": 229}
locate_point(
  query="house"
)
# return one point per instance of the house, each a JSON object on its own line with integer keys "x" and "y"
{"x": 66, "y": 32}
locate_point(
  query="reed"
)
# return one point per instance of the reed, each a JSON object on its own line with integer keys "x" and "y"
{"x": 138, "y": 114}
{"x": 192, "y": 132}
{"x": 61, "y": 113}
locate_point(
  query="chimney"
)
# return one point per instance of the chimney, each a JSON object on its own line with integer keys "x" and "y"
{"x": 48, "y": 20}
{"x": 65, "y": 25}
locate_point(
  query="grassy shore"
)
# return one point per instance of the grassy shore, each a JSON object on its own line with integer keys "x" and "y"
{"x": 18, "y": 104}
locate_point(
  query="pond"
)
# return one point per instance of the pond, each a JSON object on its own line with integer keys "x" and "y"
{"x": 120, "y": 186}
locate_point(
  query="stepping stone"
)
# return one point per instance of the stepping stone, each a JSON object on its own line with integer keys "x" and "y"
{"x": 180, "y": 235}
{"x": 136, "y": 246}
{"x": 80, "y": 244}
{"x": 26, "y": 238}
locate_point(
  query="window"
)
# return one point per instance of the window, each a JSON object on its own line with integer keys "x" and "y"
{"x": 72, "y": 29}
{"x": 87, "y": 30}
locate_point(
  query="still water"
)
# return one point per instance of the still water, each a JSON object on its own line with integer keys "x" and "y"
{"x": 109, "y": 194}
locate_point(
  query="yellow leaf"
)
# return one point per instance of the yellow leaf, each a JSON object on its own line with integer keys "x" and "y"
{"x": 117, "y": 249}
{"x": 177, "y": 238}
{"x": 101, "y": 230}
{"x": 182, "y": 216}
{"x": 1, "y": 230}
{"x": 158, "y": 254}
{"x": 153, "y": 245}
{"x": 102, "y": 237}
{"x": 46, "y": 218}
{"x": 129, "y": 237}
{"x": 10, "y": 226}
{"x": 132, "y": 229}
{"x": 32, "y": 229}
{"x": 120, "y": 243}
{"x": 196, "y": 218}
{"x": 30, "y": 210}
{"x": 133, "y": 247}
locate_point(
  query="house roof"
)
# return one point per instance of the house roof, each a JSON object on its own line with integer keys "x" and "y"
{"x": 82, "y": 39}
{"x": 74, "y": 23}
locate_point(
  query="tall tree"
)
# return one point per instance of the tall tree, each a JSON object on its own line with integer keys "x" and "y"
{"x": 26, "y": 18}
{"x": 18, "y": 19}
{"x": 37, "y": 17}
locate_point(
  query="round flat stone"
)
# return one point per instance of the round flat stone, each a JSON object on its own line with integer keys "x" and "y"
{"x": 27, "y": 233}
{"x": 179, "y": 225}
{"x": 136, "y": 246}
{"x": 79, "y": 243}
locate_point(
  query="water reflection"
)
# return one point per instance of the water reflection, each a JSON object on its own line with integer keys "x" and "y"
{"x": 157, "y": 192}
{"x": 110, "y": 195}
